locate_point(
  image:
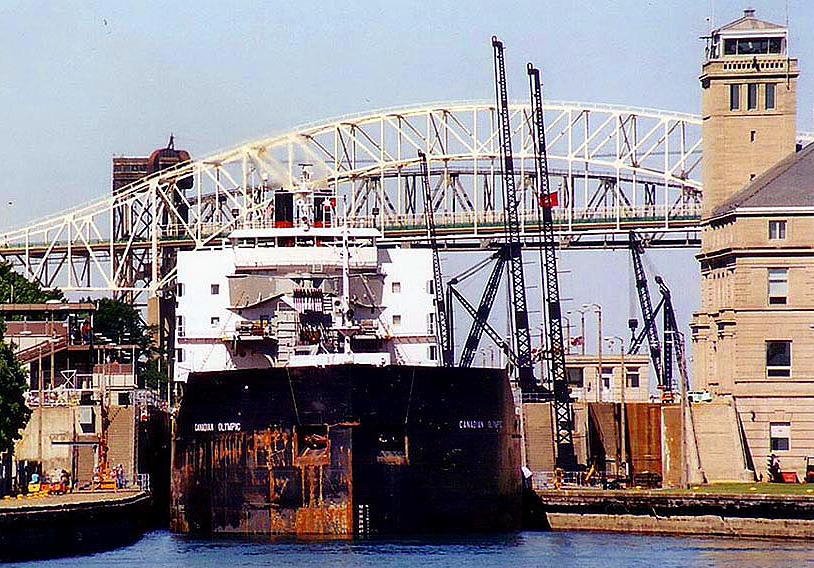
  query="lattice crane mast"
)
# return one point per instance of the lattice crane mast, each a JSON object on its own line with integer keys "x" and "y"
{"x": 517, "y": 289}
{"x": 649, "y": 328}
{"x": 676, "y": 338}
{"x": 563, "y": 410}
{"x": 443, "y": 328}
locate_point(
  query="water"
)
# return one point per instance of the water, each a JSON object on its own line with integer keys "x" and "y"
{"x": 559, "y": 550}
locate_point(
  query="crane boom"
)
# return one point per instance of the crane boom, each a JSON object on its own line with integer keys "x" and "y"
{"x": 490, "y": 331}
{"x": 442, "y": 327}
{"x": 563, "y": 410}
{"x": 517, "y": 290}
{"x": 677, "y": 341}
{"x": 646, "y": 305}
{"x": 481, "y": 316}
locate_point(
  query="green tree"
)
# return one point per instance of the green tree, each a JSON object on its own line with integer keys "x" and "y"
{"x": 121, "y": 323}
{"x": 15, "y": 288}
{"x": 14, "y": 414}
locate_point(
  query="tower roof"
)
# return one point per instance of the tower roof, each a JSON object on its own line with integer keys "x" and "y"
{"x": 787, "y": 184}
{"x": 748, "y": 23}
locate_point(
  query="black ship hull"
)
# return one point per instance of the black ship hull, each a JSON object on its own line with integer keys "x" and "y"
{"x": 344, "y": 451}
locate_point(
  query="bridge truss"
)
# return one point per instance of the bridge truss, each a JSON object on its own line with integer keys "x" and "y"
{"x": 616, "y": 169}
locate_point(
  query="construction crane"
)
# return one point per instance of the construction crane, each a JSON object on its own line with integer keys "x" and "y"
{"x": 563, "y": 410}
{"x": 480, "y": 316}
{"x": 672, "y": 338}
{"x": 649, "y": 328}
{"x": 442, "y": 326}
{"x": 514, "y": 252}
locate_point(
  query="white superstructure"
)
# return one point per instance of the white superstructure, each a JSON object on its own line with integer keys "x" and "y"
{"x": 275, "y": 297}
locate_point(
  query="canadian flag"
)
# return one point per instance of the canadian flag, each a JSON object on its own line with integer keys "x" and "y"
{"x": 577, "y": 341}
{"x": 550, "y": 200}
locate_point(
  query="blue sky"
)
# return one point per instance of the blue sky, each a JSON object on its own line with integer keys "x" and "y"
{"x": 84, "y": 80}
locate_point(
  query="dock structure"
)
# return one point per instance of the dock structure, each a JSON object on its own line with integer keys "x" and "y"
{"x": 744, "y": 514}
{"x": 61, "y": 525}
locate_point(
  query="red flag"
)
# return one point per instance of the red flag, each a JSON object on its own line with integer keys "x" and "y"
{"x": 577, "y": 341}
{"x": 550, "y": 200}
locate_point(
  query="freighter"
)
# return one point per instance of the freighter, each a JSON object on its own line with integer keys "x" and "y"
{"x": 313, "y": 402}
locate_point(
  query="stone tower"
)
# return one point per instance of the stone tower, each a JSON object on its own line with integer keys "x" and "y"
{"x": 749, "y": 105}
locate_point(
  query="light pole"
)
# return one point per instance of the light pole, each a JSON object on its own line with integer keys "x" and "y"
{"x": 582, "y": 311}
{"x": 622, "y": 413}
{"x": 567, "y": 332}
{"x": 597, "y": 309}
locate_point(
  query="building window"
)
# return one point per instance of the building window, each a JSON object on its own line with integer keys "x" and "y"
{"x": 430, "y": 323}
{"x": 632, "y": 378}
{"x": 214, "y": 289}
{"x": 433, "y": 352}
{"x": 770, "y": 96}
{"x": 430, "y": 287}
{"x": 179, "y": 289}
{"x": 179, "y": 355}
{"x": 778, "y": 285}
{"x": 777, "y": 230}
{"x": 214, "y": 321}
{"x": 574, "y": 376}
{"x": 752, "y": 135}
{"x": 780, "y": 436}
{"x": 395, "y": 287}
{"x": 778, "y": 359}
{"x": 396, "y": 320}
{"x": 751, "y": 96}
{"x": 735, "y": 97}
{"x": 607, "y": 373}
{"x": 179, "y": 325}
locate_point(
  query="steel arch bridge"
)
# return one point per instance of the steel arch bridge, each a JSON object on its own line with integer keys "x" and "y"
{"x": 617, "y": 169}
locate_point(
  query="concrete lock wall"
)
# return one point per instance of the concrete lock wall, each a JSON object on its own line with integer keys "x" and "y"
{"x": 539, "y": 436}
{"x": 69, "y": 443}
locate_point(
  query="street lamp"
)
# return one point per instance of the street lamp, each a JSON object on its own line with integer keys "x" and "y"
{"x": 622, "y": 412}
{"x": 597, "y": 309}
{"x": 567, "y": 332}
{"x": 582, "y": 312}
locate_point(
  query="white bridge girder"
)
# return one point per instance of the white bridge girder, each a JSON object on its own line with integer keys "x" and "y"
{"x": 616, "y": 168}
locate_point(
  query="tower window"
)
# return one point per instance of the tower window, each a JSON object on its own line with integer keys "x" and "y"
{"x": 777, "y": 230}
{"x": 632, "y": 378}
{"x": 778, "y": 359}
{"x": 735, "y": 97}
{"x": 396, "y": 320}
{"x": 780, "y": 436}
{"x": 752, "y": 136}
{"x": 433, "y": 352}
{"x": 751, "y": 96}
{"x": 607, "y": 375}
{"x": 574, "y": 375}
{"x": 214, "y": 289}
{"x": 775, "y": 45}
{"x": 179, "y": 355}
{"x": 778, "y": 285}
{"x": 396, "y": 287}
{"x": 770, "y": 96}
